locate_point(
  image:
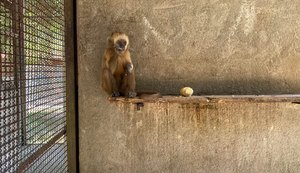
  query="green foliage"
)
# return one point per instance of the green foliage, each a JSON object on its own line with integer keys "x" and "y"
{"x": 5, "y": 30}
{"x": 43, "y": 30}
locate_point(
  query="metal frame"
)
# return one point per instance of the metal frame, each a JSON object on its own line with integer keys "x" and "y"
{"x": 14, "y": 161}
{"x": 71, "y": 86}
{"x": 26, "y": 163}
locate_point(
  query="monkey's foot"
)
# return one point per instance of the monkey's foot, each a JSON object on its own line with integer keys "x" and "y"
{"x": 115, "y": 94}
{"x": 131, "y": 94}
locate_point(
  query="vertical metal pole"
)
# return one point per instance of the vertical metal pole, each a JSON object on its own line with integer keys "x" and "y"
{"x": 16, "y": 70}
{"x": 71, "y": 86}
{"x": 22, "y": 72}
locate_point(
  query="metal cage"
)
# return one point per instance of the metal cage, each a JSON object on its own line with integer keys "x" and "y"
{"x": 33, "y": 86}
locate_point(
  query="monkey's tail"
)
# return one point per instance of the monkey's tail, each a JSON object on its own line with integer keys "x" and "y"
{"x": 148, "y": 95}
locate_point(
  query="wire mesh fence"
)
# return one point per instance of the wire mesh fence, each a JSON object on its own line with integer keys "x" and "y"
{"x": 32, "y": 81}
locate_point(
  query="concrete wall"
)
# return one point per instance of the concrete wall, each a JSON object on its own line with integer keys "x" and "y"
{"x": 171, "y": 138}
{"x": 216, "y": 47}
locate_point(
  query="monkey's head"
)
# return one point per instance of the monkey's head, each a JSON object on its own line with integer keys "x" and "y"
{"x": 119, "y": 41}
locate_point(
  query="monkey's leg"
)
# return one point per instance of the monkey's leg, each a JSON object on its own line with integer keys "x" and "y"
{"x": 109, "y": 83}
{"x": 128, "y": 82}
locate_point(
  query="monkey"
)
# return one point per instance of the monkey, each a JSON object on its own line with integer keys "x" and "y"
{"x": 118, "y": 74}
{"x": 118, "y": 77}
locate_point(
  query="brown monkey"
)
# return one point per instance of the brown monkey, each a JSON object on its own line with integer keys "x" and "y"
{"x": 118, "y": 78}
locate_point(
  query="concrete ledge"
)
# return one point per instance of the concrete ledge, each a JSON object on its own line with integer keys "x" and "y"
{"x": 294, "y": 98}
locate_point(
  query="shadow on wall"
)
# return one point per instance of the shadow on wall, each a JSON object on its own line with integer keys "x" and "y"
{"x": 221, "y": 87}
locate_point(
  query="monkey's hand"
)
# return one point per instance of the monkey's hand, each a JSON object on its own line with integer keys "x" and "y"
{"x": 131, "y": 94}
{"x": 129, "y": 68}
{"x": 115, "y": 94}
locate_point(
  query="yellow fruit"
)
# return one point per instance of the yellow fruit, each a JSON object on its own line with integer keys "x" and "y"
{"x": 186, "y": 91}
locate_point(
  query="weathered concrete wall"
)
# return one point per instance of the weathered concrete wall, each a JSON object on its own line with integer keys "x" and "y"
{"x": 218, "y": 138}
{"x": 216, "y": 47}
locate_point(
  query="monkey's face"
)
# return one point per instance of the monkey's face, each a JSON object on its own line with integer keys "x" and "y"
{"x": 120, "y": 42}
{"x": 120, "y": 46}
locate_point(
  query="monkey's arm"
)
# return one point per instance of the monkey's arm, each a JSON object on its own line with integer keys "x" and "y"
{"x": 109, "y": 83}
{"x": 128, "y": 78}
{"x": 105, "y": 59}
{"x": 128, "y": 66}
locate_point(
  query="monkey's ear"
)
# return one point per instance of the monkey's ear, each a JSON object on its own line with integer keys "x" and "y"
{"x": 109, "y": 40}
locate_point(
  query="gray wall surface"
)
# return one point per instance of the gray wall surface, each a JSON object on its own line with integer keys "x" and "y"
{"x": 216, "y": 47}
{"x": 202, "y": 138}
